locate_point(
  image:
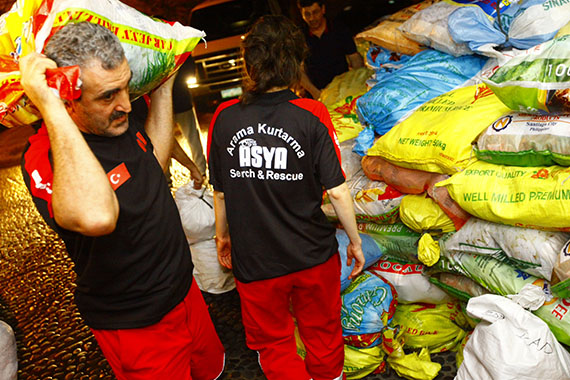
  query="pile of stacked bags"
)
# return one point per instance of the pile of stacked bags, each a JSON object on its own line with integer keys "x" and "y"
{"x": 455, "y": 142}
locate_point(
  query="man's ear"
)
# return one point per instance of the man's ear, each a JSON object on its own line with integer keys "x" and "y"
{"x": 70, "y": 106}
{"x": 67, "y": 105}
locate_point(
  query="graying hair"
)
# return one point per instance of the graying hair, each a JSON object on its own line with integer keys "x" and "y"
{"x": 81, "y": 43}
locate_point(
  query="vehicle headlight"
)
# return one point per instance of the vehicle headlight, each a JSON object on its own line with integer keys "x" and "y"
{"x": 191, "y": 81}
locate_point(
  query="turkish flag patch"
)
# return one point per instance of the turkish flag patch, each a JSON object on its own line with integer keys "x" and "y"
{"x": 118, "y": 176}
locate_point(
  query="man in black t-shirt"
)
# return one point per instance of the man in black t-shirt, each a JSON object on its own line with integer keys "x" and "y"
{"x": 96, "y": 177}
{"x": 331, "y": 48}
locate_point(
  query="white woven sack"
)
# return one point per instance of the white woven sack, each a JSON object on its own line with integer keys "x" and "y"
{"x": 196, "y": 209}
{"x": 209, "y": 274}
{"x": 8, "y": 353}
{"x": 510, "y": 343}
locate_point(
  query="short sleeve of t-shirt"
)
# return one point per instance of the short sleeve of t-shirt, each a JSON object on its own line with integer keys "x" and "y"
{"x": 213, "y": 149}
{"x": 326, "y": 151}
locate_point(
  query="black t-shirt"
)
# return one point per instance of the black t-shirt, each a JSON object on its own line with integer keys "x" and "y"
{"x": 132, "y": 277}
{"x": 272, "y": 159}
{"x": 327, "y": 54}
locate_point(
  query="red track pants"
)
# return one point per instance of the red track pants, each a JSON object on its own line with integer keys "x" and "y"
{"x": 315, "y": 296}
{"x": 182, "y": 346}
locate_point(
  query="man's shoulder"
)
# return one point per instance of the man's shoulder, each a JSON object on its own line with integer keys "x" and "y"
{"x": 338, "y": 26}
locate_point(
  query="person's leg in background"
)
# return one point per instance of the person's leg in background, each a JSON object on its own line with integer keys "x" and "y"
{"x": 189, "y": 125}
{"x": 269, "y": 327}
{"x": 316, "y": 306}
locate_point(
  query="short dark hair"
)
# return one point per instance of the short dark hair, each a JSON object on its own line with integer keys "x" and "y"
{"x": 81, "y": 43}
{"x": 308, "y": 3}
{"x": 273, "y": 52}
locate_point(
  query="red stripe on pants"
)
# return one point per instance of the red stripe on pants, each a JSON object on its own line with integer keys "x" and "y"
{"x": 315, "y": 296}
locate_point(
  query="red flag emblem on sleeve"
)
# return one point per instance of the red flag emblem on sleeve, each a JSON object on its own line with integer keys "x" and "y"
{"x": 118, "y": 176}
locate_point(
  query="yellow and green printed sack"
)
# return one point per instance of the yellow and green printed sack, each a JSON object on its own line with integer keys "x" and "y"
{"x": 437, "y": 137}
{"x": 504, "y": 279}
{"x": 536, "y": 81}
{"x": 359, "y": 362}
{"x": 155, "y": 49}
{"x": 530, "y": 197}
{"x": 438, "y": 327}
{"x": 526, "y": 140}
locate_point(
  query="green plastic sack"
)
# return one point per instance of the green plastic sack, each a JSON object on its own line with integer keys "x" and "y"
{"x": 526, "y": 140}
{"x": 531, "y": 250}
{"x": 398, "y": 240}
{"x": 536, "y": 81}
{"x": 503, "y": 279}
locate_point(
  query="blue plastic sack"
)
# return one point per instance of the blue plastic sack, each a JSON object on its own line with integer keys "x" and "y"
{"x": 521, "y": 25}
{"x": 472, "y": 26}
{"x": 425, "y": 76}
{"x": 372, "y": 253}
{"x": 383, "y": 62}
{"x": 532, "y": 22}
{"x": 368, "y": 306}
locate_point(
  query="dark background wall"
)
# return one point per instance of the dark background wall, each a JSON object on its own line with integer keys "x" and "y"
{"x": 357, "y": 11}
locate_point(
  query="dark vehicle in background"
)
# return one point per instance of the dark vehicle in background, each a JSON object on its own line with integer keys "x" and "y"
{"x": 218, "y": 66}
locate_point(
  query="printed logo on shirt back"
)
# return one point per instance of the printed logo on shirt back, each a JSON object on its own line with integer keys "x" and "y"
{"x": 263, "y": 162}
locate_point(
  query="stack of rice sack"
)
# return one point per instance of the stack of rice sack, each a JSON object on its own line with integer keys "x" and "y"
{"x": 520, "y": 180}
{"x": 433, "y": 147}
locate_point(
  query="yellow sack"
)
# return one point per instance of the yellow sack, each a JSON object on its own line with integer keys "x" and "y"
{"x": 437, "y": 327}
{"x": 359, "y": 362}
{"x": 459, "y": 355}
{"x": 428, "y": 250}
{"x": 348, "y": 84}
{"x": 437, "y": 137}
{"x": 414, "y": 366}
{"x": 422, "y": 214}
{"x": 388, "y": 35}
{"x": 344, "y": 119}
{"x": 531, "y": 197}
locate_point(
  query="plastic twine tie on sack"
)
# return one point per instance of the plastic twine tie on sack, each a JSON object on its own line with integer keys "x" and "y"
{"x": 201, "y": 197}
